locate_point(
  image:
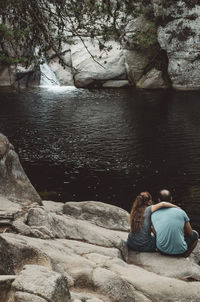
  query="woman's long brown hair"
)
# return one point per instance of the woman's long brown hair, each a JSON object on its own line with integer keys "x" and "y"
{"x": 142, "y": 201}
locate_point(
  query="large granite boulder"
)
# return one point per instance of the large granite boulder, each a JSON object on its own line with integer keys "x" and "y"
{"x": 7, "y": 75}
{"x": 138, "y": 57}
{"x": 62, "y": 65}
{"x": 68, "y": 257}
{"x": 179, "y": 37}
{"x": 168, "y": 266}
{"x": 39, "y": 282}
{"x": 99, "y": 213}
{"x": 155, "y": 286}
{"x": 152, "y": 80}
{"x": 135, "y": 62}
{"x": 41, "y": 224}
{"x": 34, "y": 283}
{"x": 92, "y": 65}
{"x": 19, "y": 76}
{"x": 27, "y": 76}
{"x": 14, "y": 184}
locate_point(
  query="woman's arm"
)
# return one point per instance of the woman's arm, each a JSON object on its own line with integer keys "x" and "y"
{"x": 162, "y": 204}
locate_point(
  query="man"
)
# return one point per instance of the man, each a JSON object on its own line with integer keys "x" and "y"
{"x": 174, "y": 234}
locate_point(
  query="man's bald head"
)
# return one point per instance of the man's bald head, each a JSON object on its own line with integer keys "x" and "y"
{"x": 165, "y": 195}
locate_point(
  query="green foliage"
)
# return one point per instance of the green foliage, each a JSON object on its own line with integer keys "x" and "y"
{"x": 145, "y": 10}
{"x": 12, "y": 40}
{"x": 27, "y": 25}
{"x": 5, "y": 32}
{"x": 145, "y": 38}
{"x": 6, "y": 60}
{"x": 9, "y": 34}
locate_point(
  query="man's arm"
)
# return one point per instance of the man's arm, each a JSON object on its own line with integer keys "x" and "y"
{"x": 162, "y": 204}
{"x": 188, "y": 228}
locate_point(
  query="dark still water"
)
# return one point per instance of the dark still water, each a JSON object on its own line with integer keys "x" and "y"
{"x": 107, "y": 145}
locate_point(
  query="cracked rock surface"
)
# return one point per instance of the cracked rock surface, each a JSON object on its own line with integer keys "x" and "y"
{"x": 76, "y": 252}
{"x": 179, "y": 36}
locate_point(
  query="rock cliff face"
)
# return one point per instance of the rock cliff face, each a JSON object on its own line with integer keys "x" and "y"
{"x": 114, "y": 66}
{"x": 86, "y": 65}
{"x": 91, "y": 67}
{"x": 76, "y": 252}
{"x": 122, "y": 65}
{"x": 179, "y": 37}
{"x": 19, "y": 77}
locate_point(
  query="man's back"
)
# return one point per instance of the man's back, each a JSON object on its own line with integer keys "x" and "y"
{"x": 169, "y": 226}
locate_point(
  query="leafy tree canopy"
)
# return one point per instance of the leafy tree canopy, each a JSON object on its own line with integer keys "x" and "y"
{"x": 27, "y": 25}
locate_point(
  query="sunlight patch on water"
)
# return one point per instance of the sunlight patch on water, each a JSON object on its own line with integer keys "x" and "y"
{"x": 58, "y": 88}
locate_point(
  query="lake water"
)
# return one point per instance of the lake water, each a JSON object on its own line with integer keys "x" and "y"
{"x": 107, "y": 145}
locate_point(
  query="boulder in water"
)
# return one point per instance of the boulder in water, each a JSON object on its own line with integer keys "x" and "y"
{"x": 14, "y": 184}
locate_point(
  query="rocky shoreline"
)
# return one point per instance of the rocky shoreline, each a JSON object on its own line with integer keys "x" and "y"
{"x": 76, "y": 252}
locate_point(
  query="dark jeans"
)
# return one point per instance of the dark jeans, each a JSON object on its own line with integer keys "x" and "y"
{"x": 190, "y": 239}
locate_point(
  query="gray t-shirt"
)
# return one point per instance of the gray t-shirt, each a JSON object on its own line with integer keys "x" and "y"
{"x": 143, "y": 240}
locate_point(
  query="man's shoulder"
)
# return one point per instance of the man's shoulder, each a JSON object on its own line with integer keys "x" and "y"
{"x": 166, "y": 211}
{"x": 179, "y": 211}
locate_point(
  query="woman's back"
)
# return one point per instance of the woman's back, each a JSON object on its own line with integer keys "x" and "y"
{"x": 142, "y": 240}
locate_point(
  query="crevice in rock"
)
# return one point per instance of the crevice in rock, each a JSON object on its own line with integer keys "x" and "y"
{"x": 160, "y": 61}
{"x": 190, "y": 279}
{"x": 84, "y": 241}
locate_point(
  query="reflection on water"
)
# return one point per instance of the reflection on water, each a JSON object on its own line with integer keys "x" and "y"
{"x": 58, "y": 89}
{"x": 107, "y": 145}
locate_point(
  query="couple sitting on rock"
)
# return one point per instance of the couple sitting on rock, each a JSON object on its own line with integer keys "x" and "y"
{"x": 162, "y": 227}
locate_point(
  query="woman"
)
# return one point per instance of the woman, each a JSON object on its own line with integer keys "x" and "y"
{"x": 140, "y": 237}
